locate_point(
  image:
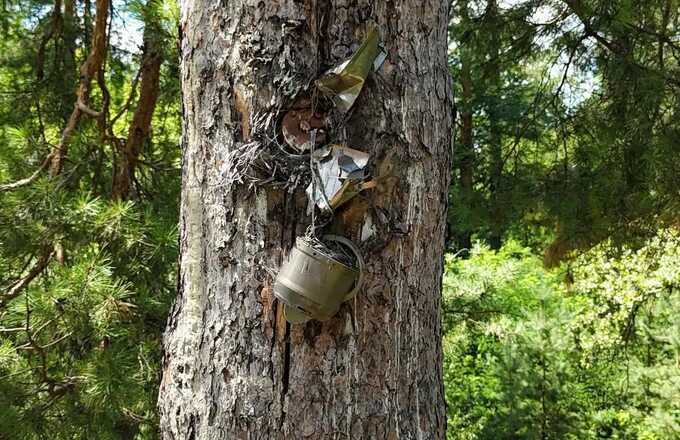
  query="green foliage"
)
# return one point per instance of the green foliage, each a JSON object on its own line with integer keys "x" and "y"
{"x": 589, "y": 351}
{"x": 80, "y": 342}
{"x": 574, "y": 121}
{"x": 574, "y": 138}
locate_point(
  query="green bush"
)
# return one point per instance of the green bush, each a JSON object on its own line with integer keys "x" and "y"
{"x": 586, "y": 351}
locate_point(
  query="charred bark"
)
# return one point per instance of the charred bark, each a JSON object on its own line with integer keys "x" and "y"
{"x": 233, "y": 368}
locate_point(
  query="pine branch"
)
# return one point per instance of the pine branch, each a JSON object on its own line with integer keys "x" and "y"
{"x": 91, "y": 66}
{"x": 85, "y": 109}
{"x": 28, "y": 180}
{"x": 133, "y": 90}
{"x": 42, "y": 347}
{"x": 88, "y": 69}
{"x": 16, "y": 289}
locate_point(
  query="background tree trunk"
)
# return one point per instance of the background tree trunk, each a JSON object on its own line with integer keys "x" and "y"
{"x": 140, "y": 127}
{"x": 233, "y": 368}
{"x": 494, "y": 85}
{"x": 465, "y": 156}
{"x": 88, "y": 70}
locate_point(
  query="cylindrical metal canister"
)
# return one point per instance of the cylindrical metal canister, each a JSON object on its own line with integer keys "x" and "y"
{"x": 313, "y": 284}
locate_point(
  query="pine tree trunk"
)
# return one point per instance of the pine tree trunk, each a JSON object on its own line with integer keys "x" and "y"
{"x": 140, "y": 127}
{"x": 466, "y": 152}
{"x": 88, "y": 70}
{"x": 493, "y": 74}
{"x": 233, "y": 367}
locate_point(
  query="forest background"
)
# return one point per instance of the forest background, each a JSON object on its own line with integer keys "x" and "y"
{"x": 561, "y": 298}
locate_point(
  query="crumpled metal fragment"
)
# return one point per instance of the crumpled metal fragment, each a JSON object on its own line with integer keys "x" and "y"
{"x": 339, "y": 174}
{"x": 344, "y": 82}
{"x": 298, "y": 124}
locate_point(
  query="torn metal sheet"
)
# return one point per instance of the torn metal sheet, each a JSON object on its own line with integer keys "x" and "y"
{"x": 379, "y": 59}
{"x": 339, "y": 174}
{"x": 344, "y": 82}
{"x": 298, "y": 124}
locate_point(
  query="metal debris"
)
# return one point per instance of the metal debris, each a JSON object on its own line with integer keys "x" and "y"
{"x": 263, "y": 160}
{"x": 317, "y": 277}
{"x": 277, "y": 152}
{"x": 331, "y": 249}
{"x": 380, "y": 59}
{"x": 344, "y": 82}
{"x": 338, "y": 175}
{"x": 299, "y": 122}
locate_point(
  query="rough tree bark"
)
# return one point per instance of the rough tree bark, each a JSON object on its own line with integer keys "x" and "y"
{"x": 233, "y": 368}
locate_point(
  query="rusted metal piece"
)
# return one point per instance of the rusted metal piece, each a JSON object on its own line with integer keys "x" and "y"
{"x": 313, "y": 285}
{"x": 298, "y": 123}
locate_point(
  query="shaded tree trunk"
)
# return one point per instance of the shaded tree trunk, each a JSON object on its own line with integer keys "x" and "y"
{"x": 52, "y": 29}
{"x": 69, "y": 65}
{"x": 233, "y": 368}
{"x": 466, "y": 153}
{"x": 493, "y": 75}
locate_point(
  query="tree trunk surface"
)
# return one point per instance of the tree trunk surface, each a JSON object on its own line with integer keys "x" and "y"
{"x": 233, "y": 368}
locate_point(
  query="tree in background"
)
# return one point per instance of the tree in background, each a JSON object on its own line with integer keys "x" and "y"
{"x": 88, "y": 190}
{"x": 582, "y": 98}
{"x": 494, "y": 185}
